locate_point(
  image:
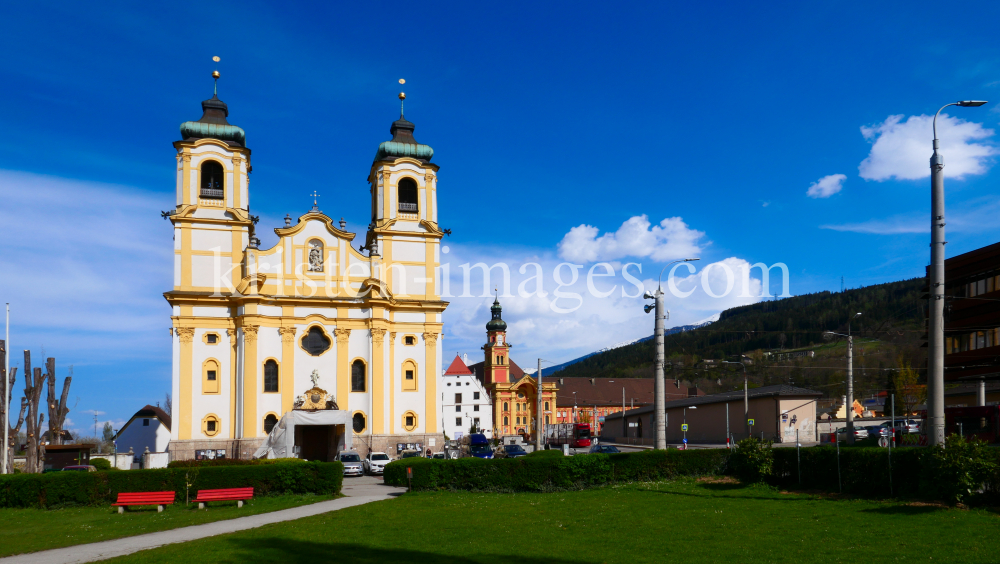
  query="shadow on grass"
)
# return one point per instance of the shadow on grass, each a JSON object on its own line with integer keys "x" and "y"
{"x": 733, "y": 488}
{"x": 279, "y": 549}
{"x": 903, "y": 509}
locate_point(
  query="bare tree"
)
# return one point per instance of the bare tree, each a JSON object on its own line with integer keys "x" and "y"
{"x": 168, "y": 405}
{"x": 35, "y": 452}
{"x": 57, "y": 411}
{"x": 5, "y": 404}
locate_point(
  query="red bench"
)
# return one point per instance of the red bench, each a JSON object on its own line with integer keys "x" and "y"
{"x": 159, "y": 499}
{"x": 231, "y": 494}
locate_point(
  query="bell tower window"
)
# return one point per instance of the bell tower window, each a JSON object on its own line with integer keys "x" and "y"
{"x": 407, "y": 196}
{"x": 212, "y": 181}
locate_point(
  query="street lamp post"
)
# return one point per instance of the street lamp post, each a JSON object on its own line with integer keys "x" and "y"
{"x": 849, "y": 404}
{"x": 659, "y": 386}
{"x": 746, "y": 398}
{"x": 935, "y": 333}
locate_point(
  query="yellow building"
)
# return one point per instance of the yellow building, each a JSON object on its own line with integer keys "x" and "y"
{"x": 253, "y": 329}
{"x": 513, "y": 392}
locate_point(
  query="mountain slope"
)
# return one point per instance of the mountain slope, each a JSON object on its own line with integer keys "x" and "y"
{"x": 679, "y": 329}
{"x": 892, "y": 313}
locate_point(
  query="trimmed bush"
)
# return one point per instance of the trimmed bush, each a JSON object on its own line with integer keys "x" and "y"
{"x": 752, "y": 461}
{"x": 61, "y": 489}
{"x": 956, "y": 472}
{"x": 100, "y": 463}
{"x": 553, "y": 473}
{"x": 229, "y": 462}
{"x": 546, "y": 453}
{"x": 864, "y": 471}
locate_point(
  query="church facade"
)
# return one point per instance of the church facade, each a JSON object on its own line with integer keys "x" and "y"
{"x": 253, "y": 329}
{"x": 514, "y": 393}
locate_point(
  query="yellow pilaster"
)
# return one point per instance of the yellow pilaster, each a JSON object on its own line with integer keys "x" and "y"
{"x": 430, "y": 382}
{"x": 186, "y": 337}
{"x": 378, "y": 382}
{"x": 232, "y": 382}
{"x": 237, "y": 193}
{"x": 287, "y": 383}
{"x": 343, "y": 367}
{"x": 186, "y": 179}
{"x": 392, "y": 383}
{"x": 250, "y": 381}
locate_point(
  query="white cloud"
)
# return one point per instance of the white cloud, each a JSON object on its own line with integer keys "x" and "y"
{"x": 826, "y": 186}
{"x": 902, "y": 149}
{"x": 671, "y": 239}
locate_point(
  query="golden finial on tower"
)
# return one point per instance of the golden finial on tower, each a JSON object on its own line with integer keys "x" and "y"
{"x": 216, "y": 75}
{"x": 402, "y": 96}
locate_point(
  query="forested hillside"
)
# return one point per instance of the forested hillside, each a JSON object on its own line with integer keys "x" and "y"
{"x": 889, "y": 328}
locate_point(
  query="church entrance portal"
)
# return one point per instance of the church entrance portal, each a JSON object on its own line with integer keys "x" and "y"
{"x": 318, "y": 442}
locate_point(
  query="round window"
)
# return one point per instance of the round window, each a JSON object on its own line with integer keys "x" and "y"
{"x": 359, "y": 422}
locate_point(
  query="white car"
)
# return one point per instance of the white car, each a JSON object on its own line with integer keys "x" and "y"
{"x": 375, "y": 462}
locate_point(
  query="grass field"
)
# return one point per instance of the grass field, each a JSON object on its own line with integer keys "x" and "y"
{"x": 682, "y": 521}
{"x": 31, "y": 530}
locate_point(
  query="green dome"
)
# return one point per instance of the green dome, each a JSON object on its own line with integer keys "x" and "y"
{"x": 213, "y": 124}
{"x": 403, "y": 144}
{"x": 496, "y": 323}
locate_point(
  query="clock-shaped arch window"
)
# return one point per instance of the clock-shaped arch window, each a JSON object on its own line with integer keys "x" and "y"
{"x": 407, "y": 192}
{"x": 315, "y": 342}
{"x": 212, "y": 180}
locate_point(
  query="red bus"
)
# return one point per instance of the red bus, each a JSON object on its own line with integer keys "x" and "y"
{"x": 573, "y": 434}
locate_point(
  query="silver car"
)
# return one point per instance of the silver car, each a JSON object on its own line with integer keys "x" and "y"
{"x": 352, "y": 463}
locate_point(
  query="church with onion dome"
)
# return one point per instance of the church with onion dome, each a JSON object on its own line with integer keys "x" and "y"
{"x": 326, "y": 341}
{"x": 513, "y": 392}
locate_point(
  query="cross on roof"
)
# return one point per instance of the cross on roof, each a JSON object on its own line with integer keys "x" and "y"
{"x": 315, "y": 204}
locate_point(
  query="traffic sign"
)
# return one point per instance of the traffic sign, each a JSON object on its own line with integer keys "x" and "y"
{"x": 684, "y": 427}
{"x": 685, "y": 441}
{"x": 750, "y": 422}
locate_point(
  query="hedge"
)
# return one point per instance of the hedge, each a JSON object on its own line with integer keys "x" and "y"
{"x": 61, "y": 489}
{"x": 553, "y": 473}
{"x": 863, "y": 471}
{"x": 229, "y": 462}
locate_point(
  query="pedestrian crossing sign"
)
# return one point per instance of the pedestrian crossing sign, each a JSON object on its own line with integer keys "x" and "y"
{"x": 750, "y": 422}
{"x": 684, "y": 427}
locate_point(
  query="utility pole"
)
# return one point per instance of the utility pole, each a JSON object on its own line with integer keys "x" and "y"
{"x": 539, "y": 429}
{"x": 850, "y": 388}
{"x": 659, "y": 386}
{"x": 6, "y": 396}
{"x": 746, "y": 398}
{"x": 935, "y": 330}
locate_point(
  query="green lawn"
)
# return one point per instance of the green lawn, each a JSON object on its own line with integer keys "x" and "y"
{"x": 683, "y": 521}
{"x": 30, "y": 530}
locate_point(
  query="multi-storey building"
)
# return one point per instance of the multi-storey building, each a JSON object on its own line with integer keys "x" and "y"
{"x": 465, "y": 405}
{"x": 254, "y": 329}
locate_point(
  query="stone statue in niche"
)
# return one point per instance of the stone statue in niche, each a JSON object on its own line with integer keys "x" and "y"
{"x": 315, "y": 256}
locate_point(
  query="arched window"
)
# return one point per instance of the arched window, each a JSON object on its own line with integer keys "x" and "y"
{"x": 315, "y": 341}
{"x": 359, "y": 422}
{"x": 212, "y": 180}
{"x": 210, "y": 425}
{"x": 409, "y": 421}
{"x": 506, "y": 421}
{"x": 358, "y": 376}
{"x": 210, "y": 377}
{"x": 409, "y": 376}
{"x": 506, "y": 407}
{"x": 270, "y": 376}
{"x": 407, "y": 196}
{"x": 269, "y": 422}
{"x": 546, "y": 406}
{"x": 546, "y": 419}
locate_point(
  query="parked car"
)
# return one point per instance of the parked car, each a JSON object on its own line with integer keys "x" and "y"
{"x": 439, "y": 456}
{"x": 859, "y": 433}
{"x": 514, "y": 451}
{"x": 878, "y": 431}
{"x": 80, "y": 468}
{"x": 375, "y": 462}
{"x": 477, "y": 445}
{"x": 603, "y": 449}
{"x": 904, "y": 425}
{"x": 409, "y": 454}
{"x": 352, "y": 463}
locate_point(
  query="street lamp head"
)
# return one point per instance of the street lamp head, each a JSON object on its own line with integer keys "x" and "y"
{"x": 857, "y": 315}
{"x": 692, "y": 407}
{"x": 648, "y": 295}
{"x": 971, "y": 103}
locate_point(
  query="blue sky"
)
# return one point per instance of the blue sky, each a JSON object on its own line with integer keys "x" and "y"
{"x": 554, "y": 125}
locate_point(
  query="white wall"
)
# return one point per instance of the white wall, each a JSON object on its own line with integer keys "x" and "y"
{"x": 138, "y": 436}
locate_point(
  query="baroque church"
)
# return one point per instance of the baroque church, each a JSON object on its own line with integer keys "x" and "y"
{"x": 343, "y": 329}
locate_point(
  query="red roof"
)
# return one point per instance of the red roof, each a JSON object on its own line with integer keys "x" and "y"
{"x": 458, "y": 368}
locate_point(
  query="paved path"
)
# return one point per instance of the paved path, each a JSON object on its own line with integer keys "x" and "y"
{"x": 358, "y": 491}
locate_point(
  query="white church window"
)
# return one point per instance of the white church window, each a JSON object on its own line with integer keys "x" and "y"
{"x": 212, "y": 181}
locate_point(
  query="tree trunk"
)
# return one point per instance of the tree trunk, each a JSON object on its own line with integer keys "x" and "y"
{"x": 57, "y": 410}
{"x": 35, "y": 455}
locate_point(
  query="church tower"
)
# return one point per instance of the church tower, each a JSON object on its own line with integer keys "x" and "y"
{"x": 497, "y": 366}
